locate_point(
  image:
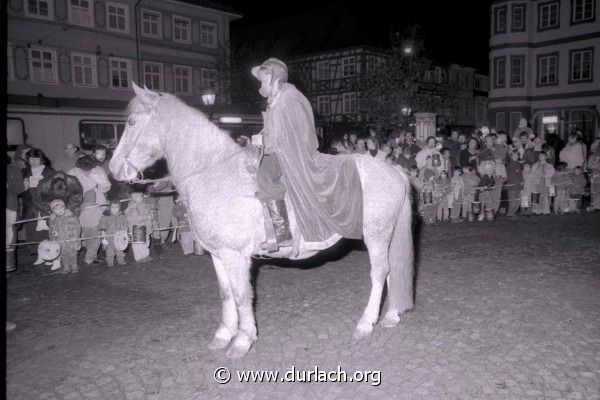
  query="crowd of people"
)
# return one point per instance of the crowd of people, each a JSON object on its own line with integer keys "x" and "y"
{"x": 76, "y": 203}
{"x": 481, "y": 175}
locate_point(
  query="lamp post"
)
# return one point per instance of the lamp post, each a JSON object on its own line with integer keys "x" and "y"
{"x": 208, "y": 99}
{"x": 406, "y": 110}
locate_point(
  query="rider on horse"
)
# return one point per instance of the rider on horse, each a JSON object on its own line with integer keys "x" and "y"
{"x": 324, "y": 190}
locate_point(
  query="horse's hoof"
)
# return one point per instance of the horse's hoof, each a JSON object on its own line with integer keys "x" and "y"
{"x": 390, "y": 320}
{"x": 218, "y": 343}
{"x": 362, "y": 332}
{"x": 241, "y": 345}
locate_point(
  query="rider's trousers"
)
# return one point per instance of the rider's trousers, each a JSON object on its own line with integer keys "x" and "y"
{"x": 269, "y": 179}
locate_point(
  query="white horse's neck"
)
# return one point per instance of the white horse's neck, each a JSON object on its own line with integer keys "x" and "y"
{"x": 194, "y": 144}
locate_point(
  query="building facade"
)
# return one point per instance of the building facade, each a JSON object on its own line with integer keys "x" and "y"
{"x": 331, "y": 82}
{"x": 70, "y": 63}
{"x": 544, "y": 65}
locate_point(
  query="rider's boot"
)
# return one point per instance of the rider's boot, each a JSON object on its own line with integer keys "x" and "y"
{"x": 277, "y": 226}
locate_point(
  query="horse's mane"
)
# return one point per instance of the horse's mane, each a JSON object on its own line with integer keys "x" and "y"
{"x": 170, "y": 104}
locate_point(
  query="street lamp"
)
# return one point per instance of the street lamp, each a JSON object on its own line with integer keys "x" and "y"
{"x": 406, "y": 111}
{"x": 208, "y": 99}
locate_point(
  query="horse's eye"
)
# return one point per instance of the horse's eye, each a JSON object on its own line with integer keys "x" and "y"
{"x": 131, "y": 120}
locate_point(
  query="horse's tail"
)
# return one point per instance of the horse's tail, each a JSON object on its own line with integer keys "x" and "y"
{"x": 401, "y": 257}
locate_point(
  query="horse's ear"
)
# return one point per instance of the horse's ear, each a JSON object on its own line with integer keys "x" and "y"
{"x": 145, "y": 95}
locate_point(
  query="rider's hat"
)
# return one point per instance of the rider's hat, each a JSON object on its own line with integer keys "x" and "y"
{"x": 274, "y": 66}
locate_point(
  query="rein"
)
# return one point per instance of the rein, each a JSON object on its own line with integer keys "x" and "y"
{"x": 129, "y": 165}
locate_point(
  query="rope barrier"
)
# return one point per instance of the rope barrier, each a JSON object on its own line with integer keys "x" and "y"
{"x": 22, "y": 221}
{"x": 96, "y": 237}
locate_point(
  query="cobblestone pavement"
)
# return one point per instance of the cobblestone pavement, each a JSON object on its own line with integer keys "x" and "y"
{"x": 504, "y": 310}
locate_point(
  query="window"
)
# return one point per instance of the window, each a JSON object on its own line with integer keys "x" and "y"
{"x": 515, "y": 117}
{"x": 499, "y": 72}
{"x": 208, "y": 34}
{"x": 43, "y": 65}
{"x": 84, "y": 70}
{"x": 348, "y": 67}
{"x": 501, "y": 121}
{"x": 209, "y": 78}
{"x": 182, "y": 77}
{"x": 10, "y": 68}
{"x": 373, "y": 63}
{"x": 119, "y": 73}
{"x": 500, "y": 20}
{"x": 153, "y": 75}
{"x": 322, "y": 70}
{"x": 517, "y": 65}
{"x": 582, "y": 11}
{"x": 548, "y": 15}
{"x": 40, "y": 8}
{"x": 181, "y": 29}
{"x": 152, "y": 24}
{"x": 117, "y": 16}
{"x": 323, "y": 105}
{"x": 106, "y": 133}
{"x": 582, "y": 120}
{"x": 547, "y": 69}
{"x": 518, "y": 17}
{"x": 349, "y": 103}
{"x": 81, "y": 12}
{"x": 581, "y": 65}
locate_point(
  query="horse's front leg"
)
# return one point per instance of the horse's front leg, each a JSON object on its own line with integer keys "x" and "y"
{"x": 238, "y": 268}
{"x": 229, "y": 319}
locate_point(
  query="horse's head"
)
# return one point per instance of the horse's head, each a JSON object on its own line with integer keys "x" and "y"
{"x": 141, "y": 144}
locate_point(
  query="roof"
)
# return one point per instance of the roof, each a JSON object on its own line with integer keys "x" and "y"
{"x": 216, "y": 6}
{"x": 327, "y": 28}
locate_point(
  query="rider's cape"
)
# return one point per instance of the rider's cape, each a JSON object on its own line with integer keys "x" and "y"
{"x": 325, "y": 190}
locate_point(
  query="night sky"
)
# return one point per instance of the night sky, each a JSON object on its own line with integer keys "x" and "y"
{"x": 456, "y": 32}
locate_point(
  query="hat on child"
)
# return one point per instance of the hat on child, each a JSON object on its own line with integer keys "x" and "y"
{"x": 55, "y": 203}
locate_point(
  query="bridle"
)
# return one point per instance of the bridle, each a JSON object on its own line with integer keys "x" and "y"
{"x": 127, "y": 164}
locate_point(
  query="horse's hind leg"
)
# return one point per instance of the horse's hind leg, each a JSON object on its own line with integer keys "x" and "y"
{"x": 239, "y": 276}
{"x": 378, "y": 255}
{"x": 229, "y": 319}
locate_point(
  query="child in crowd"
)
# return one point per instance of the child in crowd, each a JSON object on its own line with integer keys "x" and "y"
{"x": 543, "y": 173}
{"x": 529, "y": 186}
{"x": 138, "y": 213}
{"x": 406, "y": 159}
{"x": 561, "y": 181}
{"x": 442, "y": 196}
{"x": 447, "y": 162}
{"x": 113, "y": 220}
{"x": 428, "y": 170}
{"x": 499, "y": 180}
{"x": 514, "y": 183}
{"x": 457, "y": 188}
{"x": 594, "y": 167}
{"x": 185, "y": 234}
{"x": 576, "y": 189}
{"x": 152, "y": 202}
{"x": 501, "y": 147}
{"x": 428, "y": 204}
{"x": 486, "y": 186}
{"x": 470, "y": 181}
{"x": 65, "y": 229}
{"x": 415, "y": 185}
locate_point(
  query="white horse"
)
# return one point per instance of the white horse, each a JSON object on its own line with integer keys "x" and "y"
{"x": 210, "y": 172}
